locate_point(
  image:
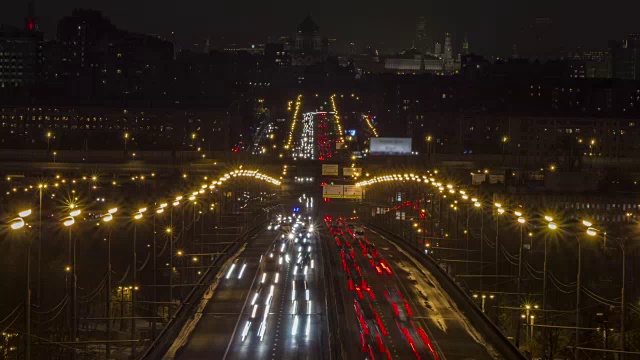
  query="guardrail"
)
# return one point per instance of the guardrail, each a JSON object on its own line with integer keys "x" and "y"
{"x": 475, "y": 316}
{"x": 164, "y": 340}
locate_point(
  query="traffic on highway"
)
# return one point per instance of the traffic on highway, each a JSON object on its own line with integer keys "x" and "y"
{"x": 313, "y": 286}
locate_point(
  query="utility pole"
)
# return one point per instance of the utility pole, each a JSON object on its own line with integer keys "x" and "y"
{"x": 578, "y": 285}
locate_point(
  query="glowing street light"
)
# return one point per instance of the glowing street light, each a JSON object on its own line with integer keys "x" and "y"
{"x": 17, "y": 223}
{"x": 68, "y": 221}
{"x": 24, "y": 213}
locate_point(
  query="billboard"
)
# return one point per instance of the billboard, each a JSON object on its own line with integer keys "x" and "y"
{"x": 330, "y": 169}
{"x": 332, "y": 191}
{"x": 390, "y": 146}
{"x": 352, "y": 192}
{"x": 348, "y": 171}
{"x": 342, "y": 191}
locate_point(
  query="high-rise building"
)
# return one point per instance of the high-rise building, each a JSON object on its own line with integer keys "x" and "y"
{"x": 596, "y": 63}
{"x": 423, "y": 40}
{"x": 624, "y": 58}
{"x": 20, "y": 53}
{"x": 100, "y": 59}
{"x": 20, "y": 57}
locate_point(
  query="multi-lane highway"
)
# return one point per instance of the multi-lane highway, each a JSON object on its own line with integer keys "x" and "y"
{"x": 277, "y": 299}
{"x": 270, "y": 303}
{"x": 392, "y": 307}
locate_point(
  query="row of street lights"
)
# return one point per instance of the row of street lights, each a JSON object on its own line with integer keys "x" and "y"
{"x": 68, "y": 221}
{"x": 588, "y": 229}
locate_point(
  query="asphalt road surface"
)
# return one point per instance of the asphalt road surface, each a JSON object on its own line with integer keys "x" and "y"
{"x": 270, "y": 305}
{"x": 413, "y": 315}
{"x": 366, "y": 298}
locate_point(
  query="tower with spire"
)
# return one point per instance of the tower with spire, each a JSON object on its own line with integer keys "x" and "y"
{"x": 30, "y": 21}
{"x": 465, "y": 45}
{"x": 448, "y": 49}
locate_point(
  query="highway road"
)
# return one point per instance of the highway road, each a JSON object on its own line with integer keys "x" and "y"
{"x": 270, "y": 304}
{"x": 381, "y": 303}
{"x": 408, "y": 309}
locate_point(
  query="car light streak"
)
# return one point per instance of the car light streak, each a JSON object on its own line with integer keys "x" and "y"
{"x": 231, "y": 270}
{"x": 246, "y": 330}
{"x": 242, "y": 271}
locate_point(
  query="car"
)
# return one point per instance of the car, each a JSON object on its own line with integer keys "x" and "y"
{"x": 300, "y": 296}
{"x": 358, "y": 233}
{"x": 371, "y": 326}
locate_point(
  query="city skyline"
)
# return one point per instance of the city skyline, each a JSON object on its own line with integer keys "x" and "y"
{"x": 492, "y": 28}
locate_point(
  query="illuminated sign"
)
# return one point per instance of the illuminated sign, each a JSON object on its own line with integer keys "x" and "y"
{"x": 390, "y": 146}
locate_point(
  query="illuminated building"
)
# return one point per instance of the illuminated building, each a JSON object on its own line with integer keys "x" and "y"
{"x": 20, "y": 57}
{"x": 308, "y": 47}
{"x": 624, "y": 58}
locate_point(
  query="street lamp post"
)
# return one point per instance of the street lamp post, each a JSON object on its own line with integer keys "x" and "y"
{"x": 578, "y": 286}
{"x": 16, "y": 224}
{"x": 483, "y": 298}
{"x": 175, "y": 203}
{"x": 522, "y": 221}
{"x": 479, "y": 206}
{"x": 591, "y": 232}
{"x": 107, "y": 218}
{"x": 39, "y": 286}
{"x": 68, "y": 222}
{"x": 137, "y": 216}
{"x": 159, "y": 210}
{"x": 552, "y": 226}
{"x": 623, "y": 302}
{"x": 500, "y": 212}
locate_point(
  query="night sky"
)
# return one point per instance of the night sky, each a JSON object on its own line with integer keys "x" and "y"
{"x": 491, "y": 25}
